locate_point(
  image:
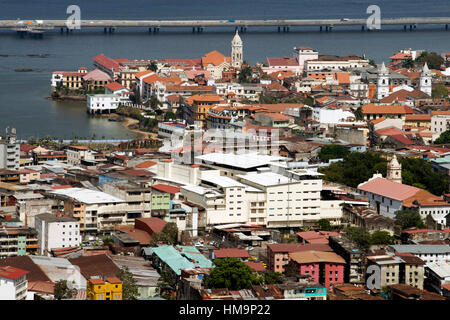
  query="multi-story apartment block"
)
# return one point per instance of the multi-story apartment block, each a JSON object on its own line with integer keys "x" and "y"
{"x": 97, "y": 212}
{"x": 17, "y": 241}
{"x": 56, "y": 232}
{"x": 13, "y": 283}
{"x": 354, "y": 271}
{"x": 9, "y": 151}
{"x": 138, "y": 199}
{"x": 428, "y": 253}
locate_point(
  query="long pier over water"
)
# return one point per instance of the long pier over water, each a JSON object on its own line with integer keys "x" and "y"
{"x": 39, "y": 26}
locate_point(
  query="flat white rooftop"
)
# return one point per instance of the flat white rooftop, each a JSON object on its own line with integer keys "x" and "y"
{"x": 224, "y": 182}
{"x": 244, "y": 161}
{"x": 267, "y": 178}
{"x": 87, "y": 196}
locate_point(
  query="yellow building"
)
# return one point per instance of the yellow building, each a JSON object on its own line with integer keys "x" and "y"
{"x": 201, "y": 104}
{"x": 418, "y": 121}
{"x": 108, "y": 289}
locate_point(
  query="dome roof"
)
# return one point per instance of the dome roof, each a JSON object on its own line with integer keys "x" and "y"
{"x": 236, "y": 39}
{"x": 394, "y": 162}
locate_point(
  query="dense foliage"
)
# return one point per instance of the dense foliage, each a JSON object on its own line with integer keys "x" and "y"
{"x": 439, "y": 91}
{"x": 434, "y": 60}
{"x": 443, "y": 138}
{"x": 364, "y": 239}
{"x": 359, "y": 167}
{"x": 129, "y": 284}
{"x": 62, "y": 291}
{"x": 168, "y": 235}
{"x": 409, "y": 219}
{"x": 356, "y": 168}
{"x": 332, "y": 151}
{"x": 233, "y": 274}
{"x": 324, "y": 224}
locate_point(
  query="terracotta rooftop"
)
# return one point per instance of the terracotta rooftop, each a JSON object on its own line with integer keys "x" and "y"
{"x": 312, "y": 256}
{"x": 296, "y": 247}
{"x": 389, "y": 189}
{"x": 231, "y": 253}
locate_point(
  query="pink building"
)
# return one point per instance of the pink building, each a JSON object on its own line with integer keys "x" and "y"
{"x": 278, "y": 254}
{"x": 323, "y": 267}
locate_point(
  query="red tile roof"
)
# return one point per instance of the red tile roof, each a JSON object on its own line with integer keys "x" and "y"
{"x": 166, "y": 188}
{"x": 106, "y": 62}
{"x": 146, "y": 164}
{"x": 312, "y": 256}
{"x": 12, "y": 272}
{"x": 383, "y": 109}
{"x": 214, "y": 57}
{"x": 41, "y": 286}
{"x": 231, "y": 253}
{"x": 286, "y": 61}
{"x": 416, "y": 117}
{"x": 256, "y": 266}
{"x": 113, "y": 86}
{"x": 149, "y": 225}
{"x": 294, "y": 247}
{"x": 389, "y": 189}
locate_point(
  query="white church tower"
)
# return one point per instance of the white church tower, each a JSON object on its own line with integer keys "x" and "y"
{"x": 394, "y": 170}
{"x": 236, "y": 51}
{"x": 425, "y": 80}
{"x": 382, "y": 82}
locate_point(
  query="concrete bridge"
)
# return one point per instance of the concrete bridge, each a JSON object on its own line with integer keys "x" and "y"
{"x": 199, "y": 25}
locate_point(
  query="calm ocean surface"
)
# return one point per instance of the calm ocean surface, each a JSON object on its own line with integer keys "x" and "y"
{"x": 23, "y": 102}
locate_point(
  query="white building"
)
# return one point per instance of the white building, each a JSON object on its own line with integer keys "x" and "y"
{"x": 440, "y": 122}
{"x": 100, "y": 103}
{"x": 330, "y": 115}
{"x": 13, "y": 283}
{"x": 10, "y": 151}
{"x": 303, "y": 54}
{"x": 248, "y": 91}
{"x": 387, "y": 197}
{"x": 97, "y": 212}
{"x": 382, "y": 82}
{"x": 332, "y": 64}
{"x": 236, "y": 51}
{"x": 426, "y": 78}
{"x": 56, "y": 232}
{"x": 430, "y": 253}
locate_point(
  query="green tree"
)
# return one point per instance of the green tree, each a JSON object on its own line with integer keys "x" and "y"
{"x": 434, "y": 60}
{"x": 408, "y": 63}
{"x": 443, "y": 138}
{"x": 129, "y": 284}
{"x": 440, "y": 91}
{"x": 324, "y": 224}
{"x": 332, "y": 151}
{"x": 153, "y": 66}
{"x": 167, "y": 283}
{"x": 245, "y": 74}
{"x": 358, "y": 114}
{"x": 169, "y": 116}
{"x": 62, "y": 290}
{"x": 381, "y": 237}
{"x": 408, "y": 219}
{"x": 107, "y": 240}
{"x": 360, "y": 236}
{"x": 231, "y": 273}
{"x": 270, "y": 277}
{"x": 168, "y": 235}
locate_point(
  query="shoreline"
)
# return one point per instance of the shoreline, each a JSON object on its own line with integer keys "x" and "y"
{"x": 128, "y": 124}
